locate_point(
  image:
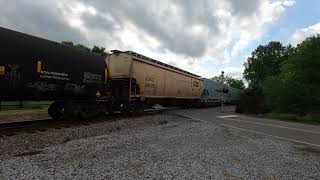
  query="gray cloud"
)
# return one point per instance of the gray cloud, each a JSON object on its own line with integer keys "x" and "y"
{"x": 183, "y": 27}
{"x": 244, "y": 7}
{"x": 146, "y": 17}
{"x": 39, "y": 18}
{"x": 98, "y": 22}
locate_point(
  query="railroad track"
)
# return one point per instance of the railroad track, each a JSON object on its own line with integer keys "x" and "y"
{"x": 11, "y": 129}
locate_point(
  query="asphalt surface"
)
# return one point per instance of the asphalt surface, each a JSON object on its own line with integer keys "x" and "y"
{"x": 300, "y": 133}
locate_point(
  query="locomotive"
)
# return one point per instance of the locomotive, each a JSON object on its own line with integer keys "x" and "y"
{"x": 82, "y": 83}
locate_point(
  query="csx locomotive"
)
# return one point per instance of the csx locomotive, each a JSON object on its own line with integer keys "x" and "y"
{"x": 84, "y": 84}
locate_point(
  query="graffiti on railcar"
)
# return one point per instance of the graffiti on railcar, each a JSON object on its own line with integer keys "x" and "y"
{"x": 75, "y": 88}
{"x": 12, "y": 74}
{"x": 42, "y": 86}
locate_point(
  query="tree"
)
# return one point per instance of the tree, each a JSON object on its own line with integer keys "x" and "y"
{"x": 80, "y": 46}
{"x": 95, "y": 49}
{"x": 265, "y": 61}
{"x": 297, "y": 88}
{"x": 99, "y": 50}
{"x": 235, "y": 83}
{"x": 217, "y": 79}
{"x": 67, "y": 43}
{"x": 230, "y": 81}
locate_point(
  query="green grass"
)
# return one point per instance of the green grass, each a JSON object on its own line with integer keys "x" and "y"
{"x": 26, "y": 105}
{"x": 308, "y": 119}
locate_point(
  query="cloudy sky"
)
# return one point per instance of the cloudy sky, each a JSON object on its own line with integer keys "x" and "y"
{"x": 203, "y": 37}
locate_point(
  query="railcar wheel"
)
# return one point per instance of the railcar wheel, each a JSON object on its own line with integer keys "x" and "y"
{"x": 56, "y": 109}
{"x": 125, "y": 108}
{"x": 71, "y": 110}
{"x": 139, "y": 108}
{"x": 89, "y": 111}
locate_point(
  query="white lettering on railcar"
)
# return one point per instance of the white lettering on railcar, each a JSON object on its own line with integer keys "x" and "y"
{"x": 54, "y": 75}
{"x": 89, "y": 77}
{"x": 150, "y": 85}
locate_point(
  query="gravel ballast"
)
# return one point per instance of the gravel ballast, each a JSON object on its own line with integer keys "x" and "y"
{"x": 163, "y": 146}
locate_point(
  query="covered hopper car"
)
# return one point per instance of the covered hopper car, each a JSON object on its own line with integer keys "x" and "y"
{"x": 139, "y": 80}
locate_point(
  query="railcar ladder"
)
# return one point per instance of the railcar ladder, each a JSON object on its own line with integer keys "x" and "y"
{"x": 132, "y": 87}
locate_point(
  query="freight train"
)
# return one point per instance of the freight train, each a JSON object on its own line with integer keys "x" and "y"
{"x": 214, "y": 93}
{"x": 81, "y": 83}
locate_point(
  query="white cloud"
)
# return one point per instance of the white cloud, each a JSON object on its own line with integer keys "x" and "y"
{"x": 182, "y": 32}
{"x": 301, "y": 34}
{"x": 253, "y": 28}
{"x": 289, "y": 3}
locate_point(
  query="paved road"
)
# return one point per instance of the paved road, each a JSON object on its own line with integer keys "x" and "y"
{"x": 300, "y": 133}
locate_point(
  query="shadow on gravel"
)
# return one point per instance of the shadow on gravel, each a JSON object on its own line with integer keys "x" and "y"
{"x": 66, "y": 139}
{"x": 30, "y": 153}
{"x": 184, "y": 117}
{"x": 163, "y": 122}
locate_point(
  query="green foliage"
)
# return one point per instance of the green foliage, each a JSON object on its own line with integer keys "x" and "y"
{"x": 230, "y": 81}
{"x": 309, "y": 119}
{"x": 67, "y": 43}
{"x": 23, "y": 105}
{"x": 265, "y": 61}
{"x": 218, "y": 79}
{"x": 285, "y": 81}
{"x": 296, "y": 88}
{"x": 235, "y": 83}
{"x": 251, "y": 102}
{"x": 80, "y": 46}
{"x": 99, "y": 50}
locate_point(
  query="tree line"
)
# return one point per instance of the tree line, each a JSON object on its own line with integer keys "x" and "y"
{"x": 96, "y": 49}
{"x": 230, "y": 81}
{"x": 283, "y": 78}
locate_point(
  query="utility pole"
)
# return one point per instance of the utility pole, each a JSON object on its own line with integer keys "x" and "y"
{"x": 222, "y": 97}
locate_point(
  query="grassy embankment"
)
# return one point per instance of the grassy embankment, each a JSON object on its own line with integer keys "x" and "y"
{"x": 26, "y": 105}
{"x": 308, "y": 119}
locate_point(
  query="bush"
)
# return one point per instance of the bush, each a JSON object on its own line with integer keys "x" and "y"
{"x": 251, "y": 102}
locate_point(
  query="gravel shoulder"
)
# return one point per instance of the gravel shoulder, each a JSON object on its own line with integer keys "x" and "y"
{"x": 163, "y": 146}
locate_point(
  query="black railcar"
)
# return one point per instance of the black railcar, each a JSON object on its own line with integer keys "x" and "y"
{"x": 34, "y": 68}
